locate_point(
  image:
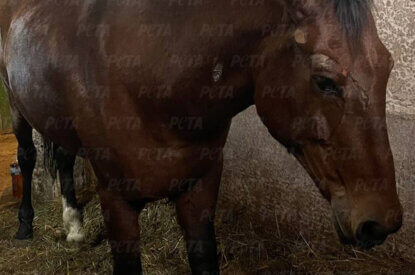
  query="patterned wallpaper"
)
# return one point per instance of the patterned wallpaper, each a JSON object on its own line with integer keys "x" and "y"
{"x": 396, "y": 26}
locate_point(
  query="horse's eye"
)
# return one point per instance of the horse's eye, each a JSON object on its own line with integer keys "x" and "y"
{"x": 327, "y": 86}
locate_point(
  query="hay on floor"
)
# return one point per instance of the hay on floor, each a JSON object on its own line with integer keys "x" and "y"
{"x": 244, "y": 247}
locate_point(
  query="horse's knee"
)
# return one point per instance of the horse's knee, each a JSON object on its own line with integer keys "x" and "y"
{"x": 73, "y": 222}
{"x": 198, "y": 227}
{"x": 26, "y": 156}
{"x": 121, "y": 219}
{"x": 201, "y": 246}
{"x": 202, "y": 253}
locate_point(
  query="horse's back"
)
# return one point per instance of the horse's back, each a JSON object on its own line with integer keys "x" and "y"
{"x": 102, "y": 63}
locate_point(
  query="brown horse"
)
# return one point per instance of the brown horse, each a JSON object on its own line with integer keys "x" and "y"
{"x": 147, "y": 90}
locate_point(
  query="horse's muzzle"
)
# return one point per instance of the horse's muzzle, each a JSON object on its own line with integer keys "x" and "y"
{"x": 368, "y": 233}
{"x": 371, "y": 233}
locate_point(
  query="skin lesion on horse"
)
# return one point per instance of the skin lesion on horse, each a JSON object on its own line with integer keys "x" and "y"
{"x": 310, "y": 94}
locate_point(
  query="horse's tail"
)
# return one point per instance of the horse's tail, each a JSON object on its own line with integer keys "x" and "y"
{"x": 49, "y": 157}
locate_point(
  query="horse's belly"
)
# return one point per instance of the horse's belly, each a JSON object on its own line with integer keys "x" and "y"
{"x": 151, "y": 173}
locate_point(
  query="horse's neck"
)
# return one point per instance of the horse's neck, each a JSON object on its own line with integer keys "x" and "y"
{"x": 270, "y": 20}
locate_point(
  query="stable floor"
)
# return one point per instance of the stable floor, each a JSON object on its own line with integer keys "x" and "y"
{"x": 244, "y": 245}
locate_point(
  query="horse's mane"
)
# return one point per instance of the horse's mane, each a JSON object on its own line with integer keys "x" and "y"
{"x": 352, "y": 15}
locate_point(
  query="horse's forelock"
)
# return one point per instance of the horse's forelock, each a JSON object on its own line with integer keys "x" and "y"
{"x": 352, "y": 15}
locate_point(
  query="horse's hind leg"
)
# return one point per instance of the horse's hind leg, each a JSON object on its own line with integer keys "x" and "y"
{"x": 72, "y": 211}
{"x": 26, "y": 155}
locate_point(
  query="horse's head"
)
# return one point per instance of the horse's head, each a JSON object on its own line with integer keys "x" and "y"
{"x": 322, "y": 93}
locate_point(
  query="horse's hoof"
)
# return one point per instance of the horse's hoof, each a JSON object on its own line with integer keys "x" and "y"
{"x": 76, "y": 237}
{"x": 24, "y": 235}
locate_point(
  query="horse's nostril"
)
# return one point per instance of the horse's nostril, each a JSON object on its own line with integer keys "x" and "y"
{"x": 371, "y": 233}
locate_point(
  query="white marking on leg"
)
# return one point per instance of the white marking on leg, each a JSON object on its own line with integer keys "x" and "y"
{"x": 72, "y": 222}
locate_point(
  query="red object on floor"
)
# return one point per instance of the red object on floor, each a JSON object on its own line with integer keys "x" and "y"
{"x": 17, "y": 180}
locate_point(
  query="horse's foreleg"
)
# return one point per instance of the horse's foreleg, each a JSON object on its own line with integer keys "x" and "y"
{"x": 121, "y": 219}
{"x": 72, "y": 211}
{"x": 27, "y": 159}
{"x": 196, "y": 212}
